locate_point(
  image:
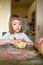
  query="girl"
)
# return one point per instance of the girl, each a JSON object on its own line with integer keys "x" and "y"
{"x": 15, "y": 33}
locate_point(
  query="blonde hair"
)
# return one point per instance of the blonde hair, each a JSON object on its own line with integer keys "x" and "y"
{"x": 13, "y": 17}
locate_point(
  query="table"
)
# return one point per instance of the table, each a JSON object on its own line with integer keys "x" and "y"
{"x": 9, "y": 55}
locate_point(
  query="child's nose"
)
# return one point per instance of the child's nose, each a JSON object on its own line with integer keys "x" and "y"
{"x": 17, "y": 25}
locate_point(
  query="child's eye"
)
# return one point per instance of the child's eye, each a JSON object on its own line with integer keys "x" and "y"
{"x": 19, "y": 23}
{"x": 14, "y": 24}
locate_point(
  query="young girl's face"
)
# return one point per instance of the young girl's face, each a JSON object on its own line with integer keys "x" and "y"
{"x": 16, "y": 25}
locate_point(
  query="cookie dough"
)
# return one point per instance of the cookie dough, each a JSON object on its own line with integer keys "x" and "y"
{"x": 21, "y": 45}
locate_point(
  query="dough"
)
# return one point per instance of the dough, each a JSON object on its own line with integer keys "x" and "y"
{"x": 21, "y": 45}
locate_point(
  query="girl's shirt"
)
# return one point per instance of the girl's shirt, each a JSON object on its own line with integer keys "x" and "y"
{"x": 17, "y": 36}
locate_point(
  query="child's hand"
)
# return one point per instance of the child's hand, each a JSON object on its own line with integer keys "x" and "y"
{"x": 20, "y": 44}
{"x": 21, "y": 40}
{"x": 15, "y": 43}
{"x": 29, "y": 44}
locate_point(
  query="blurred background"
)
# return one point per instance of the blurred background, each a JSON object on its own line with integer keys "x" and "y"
{"x": 30, "y": 11}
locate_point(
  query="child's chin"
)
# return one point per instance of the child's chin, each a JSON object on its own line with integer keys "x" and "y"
{"x": 17, "y": 31}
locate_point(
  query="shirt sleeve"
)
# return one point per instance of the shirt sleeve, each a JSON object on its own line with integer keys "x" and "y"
{"x": 6, "y": 36}
{"x": 27, "y": 39}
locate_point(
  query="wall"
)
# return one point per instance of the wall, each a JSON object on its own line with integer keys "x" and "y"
{"x": 24, "y": 11}
{"x": 30, "y": 10}
{"x": 39, "y": 19}
{"x": 5, "y": 11}
{"x": 20, "y": 11}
